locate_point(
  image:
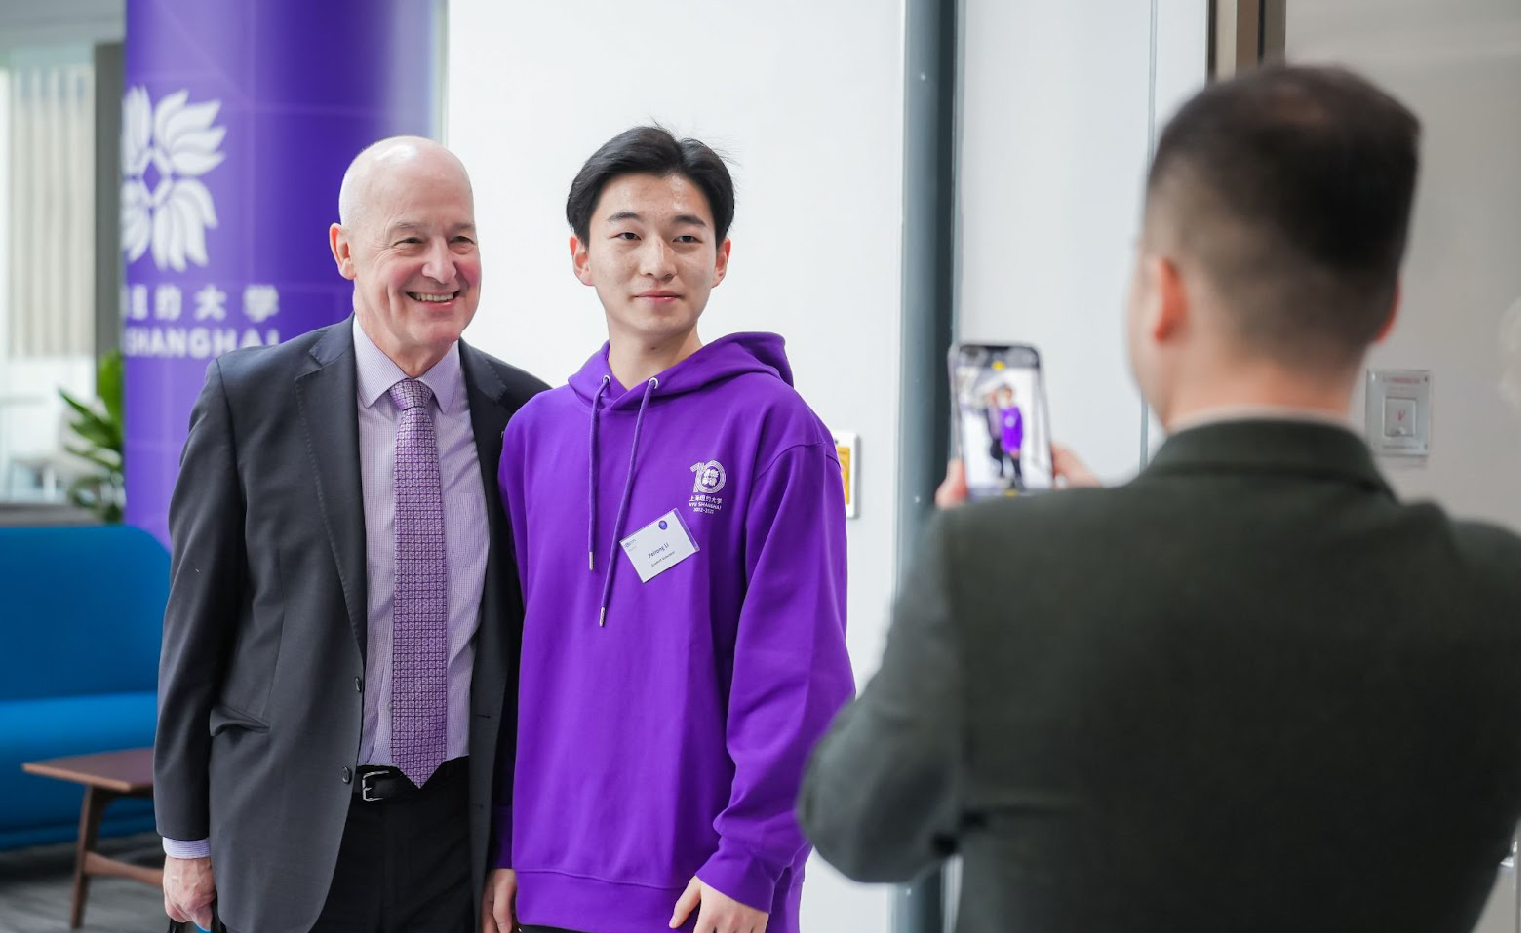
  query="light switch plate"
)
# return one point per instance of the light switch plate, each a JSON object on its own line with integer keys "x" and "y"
{"x": 1398, "y": 412}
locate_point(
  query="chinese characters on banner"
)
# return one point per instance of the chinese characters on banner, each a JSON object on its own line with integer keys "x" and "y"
{"x": 162, "y": 326}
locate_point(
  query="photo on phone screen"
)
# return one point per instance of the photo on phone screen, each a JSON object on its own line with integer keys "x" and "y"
{"x": 1000, "y": 416}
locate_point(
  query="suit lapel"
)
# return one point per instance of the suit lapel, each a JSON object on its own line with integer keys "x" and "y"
{"x": 329, "y": 414}
{"x": 488, "y": 416}
{"x": 498, "y": 633}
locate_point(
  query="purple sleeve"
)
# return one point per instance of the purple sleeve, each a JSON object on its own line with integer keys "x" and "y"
{"x": 509, "y": 483}
{"x": 1018, "y": 439}
{"x": 500, "y": 854}
{"x": 791, "y": 670}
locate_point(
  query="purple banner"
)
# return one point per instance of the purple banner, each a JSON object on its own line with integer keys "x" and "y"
{"x": 237, "y": 123}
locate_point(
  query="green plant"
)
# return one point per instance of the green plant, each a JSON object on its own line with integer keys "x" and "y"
{"x": 98, "y": 426}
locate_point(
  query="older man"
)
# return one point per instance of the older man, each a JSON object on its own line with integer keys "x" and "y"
{"x": 342, "y": 627}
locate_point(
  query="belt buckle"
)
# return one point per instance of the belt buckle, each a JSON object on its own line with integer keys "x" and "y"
{"x": 365, "y": 787}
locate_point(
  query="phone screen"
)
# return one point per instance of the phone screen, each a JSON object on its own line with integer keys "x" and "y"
{"x": 1000, "y": 417}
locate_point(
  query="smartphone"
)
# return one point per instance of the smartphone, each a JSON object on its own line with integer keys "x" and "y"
{"x": 998, "y": 400}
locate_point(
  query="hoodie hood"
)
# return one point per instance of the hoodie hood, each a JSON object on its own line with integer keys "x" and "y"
{"x": 594, "y": 385}
{"x": 722, "y": 359}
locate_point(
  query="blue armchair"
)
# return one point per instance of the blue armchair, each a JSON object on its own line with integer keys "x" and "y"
{"x": 81, "y": 622}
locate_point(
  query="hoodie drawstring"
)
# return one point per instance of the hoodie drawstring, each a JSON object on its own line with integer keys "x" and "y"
{"x": 628, "y": 488}
{"x": 591, "y": 485}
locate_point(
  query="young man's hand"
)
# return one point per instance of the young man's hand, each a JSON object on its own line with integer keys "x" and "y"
{"x": 718, "y": 912}
{"x": 190, "y": 886}
{"x": 498, "y": 908}
{"x": 1067, "y": 469}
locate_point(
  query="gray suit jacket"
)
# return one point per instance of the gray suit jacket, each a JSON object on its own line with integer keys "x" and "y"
{"x": 1249, "y": 691}
{"x": 265, "y": 632}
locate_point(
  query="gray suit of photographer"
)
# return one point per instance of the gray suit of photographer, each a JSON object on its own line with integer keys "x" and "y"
{"x": 1249, "y": 691}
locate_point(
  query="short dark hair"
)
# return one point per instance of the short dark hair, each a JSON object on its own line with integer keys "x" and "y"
{"x": 651, "y": 150}
{"x": 1292, "y": 186}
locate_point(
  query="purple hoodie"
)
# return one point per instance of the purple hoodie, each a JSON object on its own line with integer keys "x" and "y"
{"x": 663, "y": 726}
{"x": 1012, "y": 422}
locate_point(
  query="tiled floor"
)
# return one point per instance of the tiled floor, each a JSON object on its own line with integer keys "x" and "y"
{"x": 35, "y": 885}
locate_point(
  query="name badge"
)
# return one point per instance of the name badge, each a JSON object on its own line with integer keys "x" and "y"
{"x": 659, "y": 546}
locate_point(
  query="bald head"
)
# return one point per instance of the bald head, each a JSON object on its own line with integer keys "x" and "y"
{"x": 406, "y": 239}
{"x": 376, "y": 169}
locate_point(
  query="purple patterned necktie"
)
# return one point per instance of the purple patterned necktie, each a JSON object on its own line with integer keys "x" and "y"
{"x": 419, "y": 655}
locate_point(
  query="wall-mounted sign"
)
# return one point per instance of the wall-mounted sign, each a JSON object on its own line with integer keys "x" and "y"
{"x": 1398, "y": 412}
{"x": 847, "y": 448}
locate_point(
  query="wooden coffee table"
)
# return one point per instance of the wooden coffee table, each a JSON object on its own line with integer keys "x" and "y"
{"x": 106, "y": 776}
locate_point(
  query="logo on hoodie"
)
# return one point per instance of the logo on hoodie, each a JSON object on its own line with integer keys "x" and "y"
{"x": 710, "y": 479}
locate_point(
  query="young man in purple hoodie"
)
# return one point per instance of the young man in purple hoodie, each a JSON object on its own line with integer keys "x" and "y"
{"x": 684, "y": 636}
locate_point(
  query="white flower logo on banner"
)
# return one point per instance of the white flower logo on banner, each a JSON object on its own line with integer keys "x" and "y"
{"x": 171, "y": 212}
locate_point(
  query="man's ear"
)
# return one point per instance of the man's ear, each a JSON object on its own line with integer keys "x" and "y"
{"x": 343, "y": 254}
{"x": 580, "y": 261}
{"x": 1171, "y": 305}
{"x": 721, "y": 262}
{"x": 1394, "y": 312}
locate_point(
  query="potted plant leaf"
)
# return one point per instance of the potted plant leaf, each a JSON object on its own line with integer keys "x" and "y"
{"x": 97, "y": 425}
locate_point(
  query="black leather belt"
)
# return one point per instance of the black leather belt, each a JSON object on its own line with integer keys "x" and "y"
{"x": 377, "y": 783}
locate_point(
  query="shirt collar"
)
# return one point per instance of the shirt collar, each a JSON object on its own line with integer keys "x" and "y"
{"x": 378, "y": 372}
{"x": 1258, "y": 413}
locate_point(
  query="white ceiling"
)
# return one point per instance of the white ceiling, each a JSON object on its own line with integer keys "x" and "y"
{"x": 28, "y": 23}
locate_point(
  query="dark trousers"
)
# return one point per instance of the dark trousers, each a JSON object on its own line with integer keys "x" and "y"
{"x": 404, "y": 864}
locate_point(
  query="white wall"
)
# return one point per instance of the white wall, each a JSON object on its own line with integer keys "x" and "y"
{"x": 807, "y": 99}
{"x": 1060, "y": 105}
{"x": 1457, "y": 63}
{"x": 1058, "y": 120}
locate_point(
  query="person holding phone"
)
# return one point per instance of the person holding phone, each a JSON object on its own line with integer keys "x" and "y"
{"x": 1250, "y": 690}
{"x": 679, "y": 522}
